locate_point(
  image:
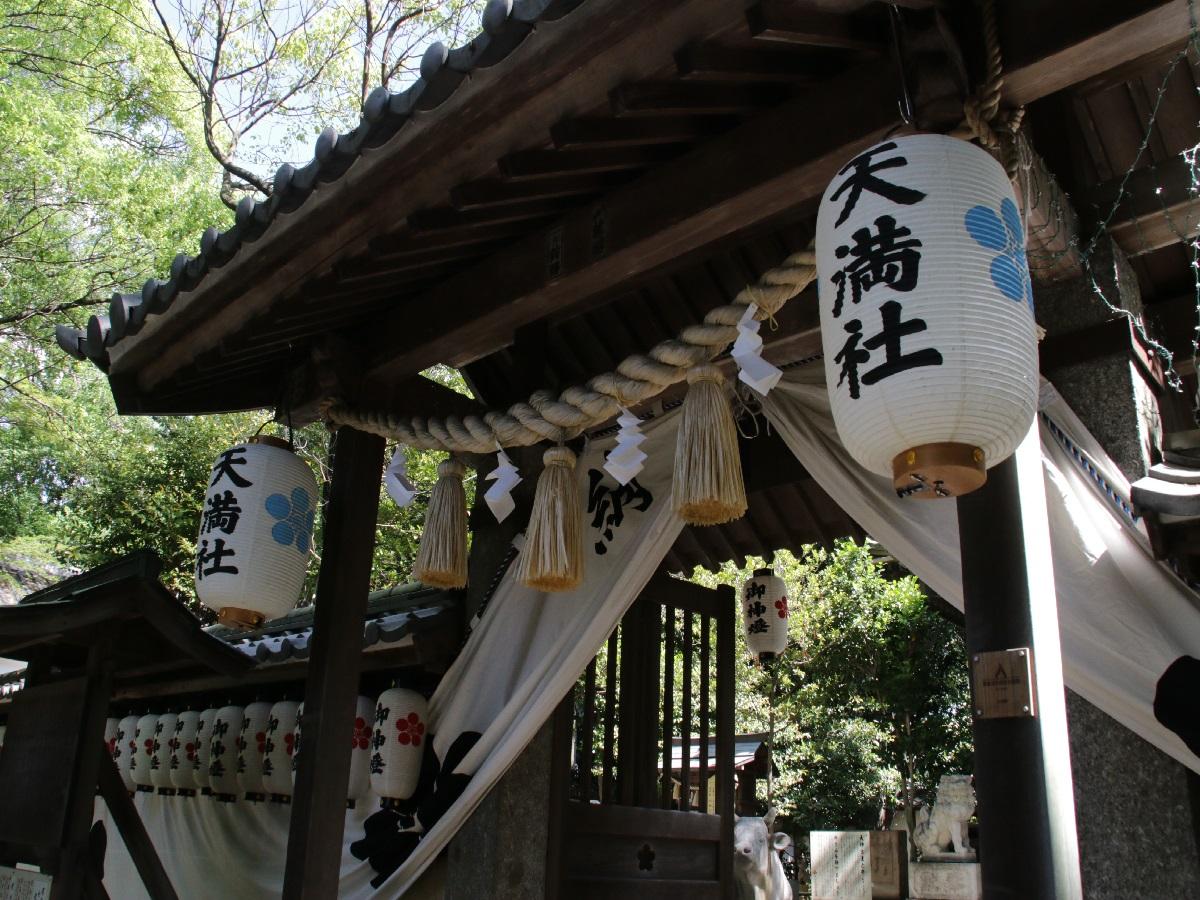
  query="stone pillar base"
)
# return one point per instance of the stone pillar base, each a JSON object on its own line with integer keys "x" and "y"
{"x": 945, "y": 881}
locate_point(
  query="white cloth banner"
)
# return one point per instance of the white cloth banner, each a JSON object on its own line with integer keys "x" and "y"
{"x": 525, "y": 653}
{"x": 1123, "y": 617}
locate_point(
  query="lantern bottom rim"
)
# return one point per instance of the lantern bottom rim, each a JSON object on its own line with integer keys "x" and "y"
{"x": 942, "y": 469}
{"x": 236, "y": 617}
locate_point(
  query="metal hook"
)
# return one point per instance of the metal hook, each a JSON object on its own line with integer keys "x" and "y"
{"x": 904, "y": 103}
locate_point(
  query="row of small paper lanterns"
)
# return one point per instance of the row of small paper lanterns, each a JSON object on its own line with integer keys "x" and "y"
{"x": 251, "y": 751}
{"x": 930, "y": 354}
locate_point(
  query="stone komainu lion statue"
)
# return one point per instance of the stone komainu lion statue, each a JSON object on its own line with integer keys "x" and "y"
{"x": 946, "y": 825}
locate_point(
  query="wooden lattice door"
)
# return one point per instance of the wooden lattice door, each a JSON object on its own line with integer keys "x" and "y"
{"x": 644, "y": 754}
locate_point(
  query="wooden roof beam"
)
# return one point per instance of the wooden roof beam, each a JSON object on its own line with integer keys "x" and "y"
{"x": 660, "y": 98}
{"x": 788, "y": 22}
{"x": 1157, "y": 207}
{"x": 640, "y": 132}
{"x": 1076, "y": 40}
{"x": 772, "y": 164}
{"x": 709, "y": 62}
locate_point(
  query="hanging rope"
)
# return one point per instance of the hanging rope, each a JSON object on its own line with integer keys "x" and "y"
{"x": 994, "y": 128}
{"x": 639, "y": 377}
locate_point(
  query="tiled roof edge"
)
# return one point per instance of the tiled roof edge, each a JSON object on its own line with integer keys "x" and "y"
{"x": 505, "y": 25}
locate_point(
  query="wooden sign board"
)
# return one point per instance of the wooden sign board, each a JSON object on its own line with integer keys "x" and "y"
{"x": 40, "y": 747}
{"x": 1002, "y": 681}
{"x": 841, "y": 865}
{"x": 21, "y": 884}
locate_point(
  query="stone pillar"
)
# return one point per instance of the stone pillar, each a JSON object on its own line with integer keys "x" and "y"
{"x": 1137, "y": 821}
{"x": 1137, "y": 834}
{"x": 1087, "y": 357}
{"x": 500, "y": 853}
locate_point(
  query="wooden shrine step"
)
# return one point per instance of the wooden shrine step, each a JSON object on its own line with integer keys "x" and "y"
{"x": 641, "y": 889}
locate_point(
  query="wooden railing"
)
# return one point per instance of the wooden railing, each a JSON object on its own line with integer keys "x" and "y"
{"x": 615, "y": 733}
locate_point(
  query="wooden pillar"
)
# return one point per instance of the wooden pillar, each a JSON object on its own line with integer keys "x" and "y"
{"x": 725, "y": 745}
{"x": 1029, "y": 848}
{"x": 71, "y": 878}
{"x": 314, "y": 855}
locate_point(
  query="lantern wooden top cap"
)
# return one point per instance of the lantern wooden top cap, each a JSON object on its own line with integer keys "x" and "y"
{"x": 269, "y": 440}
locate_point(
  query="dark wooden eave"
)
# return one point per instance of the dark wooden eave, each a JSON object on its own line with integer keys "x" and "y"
{"x": 122, "y": 600}
{"x": 628, "y": 141}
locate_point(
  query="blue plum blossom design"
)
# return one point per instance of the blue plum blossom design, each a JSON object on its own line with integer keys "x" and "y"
{"x": 295, "y": 517}
{"x": 1005, "y": 234}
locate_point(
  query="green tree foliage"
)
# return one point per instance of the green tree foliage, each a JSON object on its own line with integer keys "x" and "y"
{"x": 869, "y": 703}
{"x": 114, "y": 162}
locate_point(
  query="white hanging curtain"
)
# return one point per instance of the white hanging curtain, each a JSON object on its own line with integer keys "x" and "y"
{"x": 530, "y": 647}
{"x": 1124, "y": 618}
{"x": 517, "y": 665}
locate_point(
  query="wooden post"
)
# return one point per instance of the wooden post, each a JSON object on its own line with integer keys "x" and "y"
{"x": 1027, "y": 833}
{"x": 74, "y": 862}
{"x": 314, "y": 854}
{"x": 725, "y": 746}
{"x": 133, "y": 830}
{"x": 560, "y": 791}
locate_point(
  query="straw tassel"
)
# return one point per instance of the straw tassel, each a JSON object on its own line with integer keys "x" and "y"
{"x": 708, "y": 487}
{"x": 552, "y": 559}
{"x": 442, "y": 558}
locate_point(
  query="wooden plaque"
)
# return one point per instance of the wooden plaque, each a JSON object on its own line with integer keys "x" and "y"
{"x": 1002, "y": 681}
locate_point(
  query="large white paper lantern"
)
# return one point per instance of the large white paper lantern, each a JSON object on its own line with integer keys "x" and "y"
{"x": 255, "y": 532}
{"x": 765, "y": 614}
{"x": 143, "y": 752}
{"x": 125, "y": 749}
{"x": 926, "y": 313}
{"x": 398, "y": 743}
{"x": 360, "y": 751}
{"x": 182, "y": 760}
{"x": 160, "y": 759}
{"x": 223, "y": 753}
{"x": 252, "y": 747}
{"x": 280, "y": 748}
{"x": 204, "y": 750}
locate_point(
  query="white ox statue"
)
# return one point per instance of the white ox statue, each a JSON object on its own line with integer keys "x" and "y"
{"x": 757, "y": 868}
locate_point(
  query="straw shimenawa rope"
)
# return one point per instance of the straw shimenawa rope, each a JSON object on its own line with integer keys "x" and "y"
{"x": 639, "y": 377}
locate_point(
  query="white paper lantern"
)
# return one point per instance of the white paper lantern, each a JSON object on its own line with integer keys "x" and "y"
{"x": 143, "y": 752}
{"x": 252, "y": 747}
{"x": 125, "y": 749}
{"x": 280, "y": 748}
{"x": 255, "y": 531}
{"x": 765, "y": 614}
{"x": 160, "y": 759}
{"x": 112, "y": 725}
{"x": 182, "y": 760}
{"x": 223, "y": 753}
{"x": 296, "y": 743}
{"x": 398, "y": 743}
{"x": 204, "y": 750}
{"x": 360, "y": 751}
{"x": 926, "y": 313}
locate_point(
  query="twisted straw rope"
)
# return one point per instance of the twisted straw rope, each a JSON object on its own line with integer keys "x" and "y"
{"x": 639, "y": 377}
{"x": 995, "y": 128}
